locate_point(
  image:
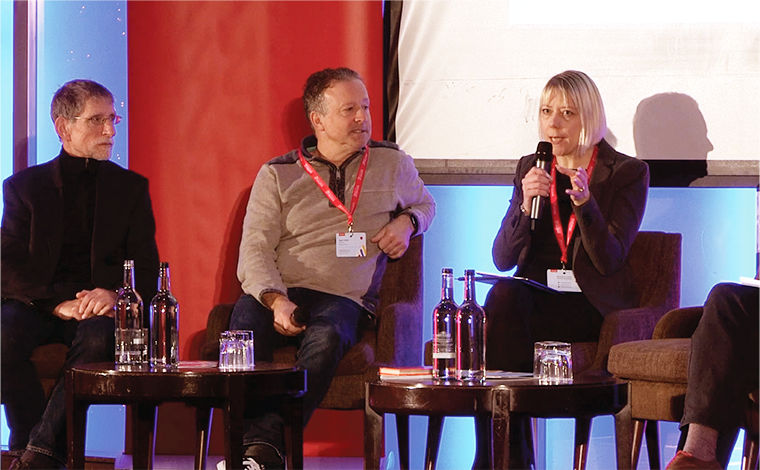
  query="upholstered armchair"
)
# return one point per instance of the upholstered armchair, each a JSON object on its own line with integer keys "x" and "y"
{"x": 657, "y": 371}
{"x": 396, "y": 341}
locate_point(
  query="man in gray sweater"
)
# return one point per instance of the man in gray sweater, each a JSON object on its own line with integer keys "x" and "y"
{"x": 320, "y": 224}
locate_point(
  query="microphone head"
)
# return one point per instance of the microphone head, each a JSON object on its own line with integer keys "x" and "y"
{"x": 544, "y": 150}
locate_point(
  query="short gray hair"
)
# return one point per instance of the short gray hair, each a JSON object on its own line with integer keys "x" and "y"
{"x": 70, "y": 99}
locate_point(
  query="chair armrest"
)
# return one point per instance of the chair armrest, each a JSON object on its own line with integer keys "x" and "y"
{"x": 678, "y": 323}
{"x": 623, "y": 326}
{"x": 399, "y": 335}
{"x": 218, "y": 321}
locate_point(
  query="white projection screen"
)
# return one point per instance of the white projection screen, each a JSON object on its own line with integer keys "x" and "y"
{"x": 680, "y": 79}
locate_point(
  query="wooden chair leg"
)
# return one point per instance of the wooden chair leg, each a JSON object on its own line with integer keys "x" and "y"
{"x": 638, "y": 435}
{"x": 749, "y": 455}
{"x": 623, "y": 437}
{"x": 653, "y": 444}
{"x": 582, "y": 435}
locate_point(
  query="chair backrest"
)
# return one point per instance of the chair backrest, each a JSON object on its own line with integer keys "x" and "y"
{"x": 655, "y": 262}
{"x": 401, "y": 295}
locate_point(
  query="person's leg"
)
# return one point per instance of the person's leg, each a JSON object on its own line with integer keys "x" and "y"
{"x": 519, "y": 315}
{"x": 23, "y": 329}
{"x": 509, "y": 340}
{"x": 723, "y": 367}
{"x": 89, "y": 341}
{"x": 331, "y": 331}
{"x": 262, "y": 419}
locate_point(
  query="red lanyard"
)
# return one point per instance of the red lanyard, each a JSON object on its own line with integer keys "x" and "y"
{"x": 558, "y": 232}
{"x": 330, "y": 195}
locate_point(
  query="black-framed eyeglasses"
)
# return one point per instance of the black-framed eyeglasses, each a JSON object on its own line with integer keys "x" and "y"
{"x": 98, "y": 121}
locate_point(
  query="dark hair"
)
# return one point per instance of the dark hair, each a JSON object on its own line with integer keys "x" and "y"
{"x": 318, "y": 82}
{"x": 71, "y": 98}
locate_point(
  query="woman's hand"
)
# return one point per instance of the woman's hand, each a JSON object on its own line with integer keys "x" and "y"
{"x": 535, "y": 183}
{"x": 579, "y": 193}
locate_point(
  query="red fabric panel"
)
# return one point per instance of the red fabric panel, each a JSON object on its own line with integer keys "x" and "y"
{"x": 214, "y": 92}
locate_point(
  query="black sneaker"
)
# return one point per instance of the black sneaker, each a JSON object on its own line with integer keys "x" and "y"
{"x": 259, "y": 457}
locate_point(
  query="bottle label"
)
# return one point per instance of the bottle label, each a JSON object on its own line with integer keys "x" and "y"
{"x": 444, "y": 346}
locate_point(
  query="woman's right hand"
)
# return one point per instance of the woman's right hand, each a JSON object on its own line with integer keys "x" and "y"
{"x": 535, "y": 183}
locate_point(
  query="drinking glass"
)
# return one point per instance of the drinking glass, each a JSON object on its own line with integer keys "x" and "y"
{"x": 236, "y": 350}
{"x": 552, "y": 362}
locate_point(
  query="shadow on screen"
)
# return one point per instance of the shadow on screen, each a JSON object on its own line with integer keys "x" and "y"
{"x": 670, "y": 134}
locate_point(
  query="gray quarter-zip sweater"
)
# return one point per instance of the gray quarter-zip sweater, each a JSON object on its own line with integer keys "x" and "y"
{"x": 290, "y": 227}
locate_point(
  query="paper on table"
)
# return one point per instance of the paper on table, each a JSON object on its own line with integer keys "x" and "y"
{"x": 490, "y": 278}
{"x": 748, "y": 281}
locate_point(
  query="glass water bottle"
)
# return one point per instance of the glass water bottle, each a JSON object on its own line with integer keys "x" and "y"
{"x": 471, "y": 334}
{"x": 444, "y": 330}
{"x": 164, "y": 323}
{"x": 131, "y": 337}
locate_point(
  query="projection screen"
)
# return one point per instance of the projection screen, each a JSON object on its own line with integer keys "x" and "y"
{"x": 680, "y": 79}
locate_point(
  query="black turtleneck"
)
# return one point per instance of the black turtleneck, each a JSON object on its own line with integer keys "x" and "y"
{"x": 74, "y": 268}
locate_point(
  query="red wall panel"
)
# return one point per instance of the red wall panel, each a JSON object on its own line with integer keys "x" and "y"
{"x": 214, "y": 92}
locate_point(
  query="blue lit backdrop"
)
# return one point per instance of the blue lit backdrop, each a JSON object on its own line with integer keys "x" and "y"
{"x": 81, "y": 39}
{"x": 6, "y": 91}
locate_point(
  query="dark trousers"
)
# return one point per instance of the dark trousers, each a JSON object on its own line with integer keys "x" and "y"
{"x": 723, "y": 366}
{"x": 335, "y": 325}
{"x": 36, "y": 423}
{"x": 518, "y": 315}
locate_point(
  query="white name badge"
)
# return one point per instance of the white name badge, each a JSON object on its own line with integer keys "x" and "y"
{"x": 351, "y": 245}
{"x": 562, "y": 279}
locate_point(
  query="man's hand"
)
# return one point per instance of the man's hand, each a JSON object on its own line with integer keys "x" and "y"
{"x": 96, "y": 302}
{"x": 68, "y": 310}
{"x": 282, "y": 308}
{"x": 393, "y": 238}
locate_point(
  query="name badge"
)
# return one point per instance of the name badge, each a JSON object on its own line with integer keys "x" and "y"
{"x": 562, "y": 280}
{"x": 351, "y": 245}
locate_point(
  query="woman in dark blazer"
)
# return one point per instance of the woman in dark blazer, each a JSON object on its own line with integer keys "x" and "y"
{"x": 588, "y": 189}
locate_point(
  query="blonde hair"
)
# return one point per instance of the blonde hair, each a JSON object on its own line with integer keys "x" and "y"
{"x": 577, "y": 87}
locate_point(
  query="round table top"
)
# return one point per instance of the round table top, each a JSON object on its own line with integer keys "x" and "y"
{"x": 185, "y": 367}
{"x": 193, "y": 379}
{"x": 588, "y": 394}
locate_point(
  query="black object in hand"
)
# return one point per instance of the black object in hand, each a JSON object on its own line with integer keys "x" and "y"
{"x": 300, "y": 316}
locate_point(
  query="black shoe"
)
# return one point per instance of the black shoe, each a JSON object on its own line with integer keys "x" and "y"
{"x": 258, "y": 457}
{"x": 262, "y": 457}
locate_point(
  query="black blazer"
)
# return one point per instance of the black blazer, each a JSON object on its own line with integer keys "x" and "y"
{"x": 608, "y": 224}
{"x": 32, "y": 231}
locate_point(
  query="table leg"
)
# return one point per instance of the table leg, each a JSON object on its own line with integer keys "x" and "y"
{"x": 582, "y": 432}
{"x": 76, "y": 423}
{"x": 435, "y": 424}
{"x": 402, "y": 433}
{"x": 233, "y": 422}
{"x": 500, "y": 432}
{"x": 203, "y": 418}
{"x": 484, "y": 443}
{"x": 374, "y": 434}
{"x": 294, "y": 432}
{"x": 143, "y": 434}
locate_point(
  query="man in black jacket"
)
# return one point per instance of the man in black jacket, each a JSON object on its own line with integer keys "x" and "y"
{"x": 67, "y": 227}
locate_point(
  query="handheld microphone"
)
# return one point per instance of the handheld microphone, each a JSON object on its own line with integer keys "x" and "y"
{"x": 544, "y": 154}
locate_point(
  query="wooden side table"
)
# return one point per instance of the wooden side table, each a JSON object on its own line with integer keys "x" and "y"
{"x": 199, "y": 384}
{"x": 496, "y": 403}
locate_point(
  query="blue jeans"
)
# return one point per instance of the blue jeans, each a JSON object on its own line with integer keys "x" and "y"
{"x": 335, "y": 325}
{"x": 38, "y": 424}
